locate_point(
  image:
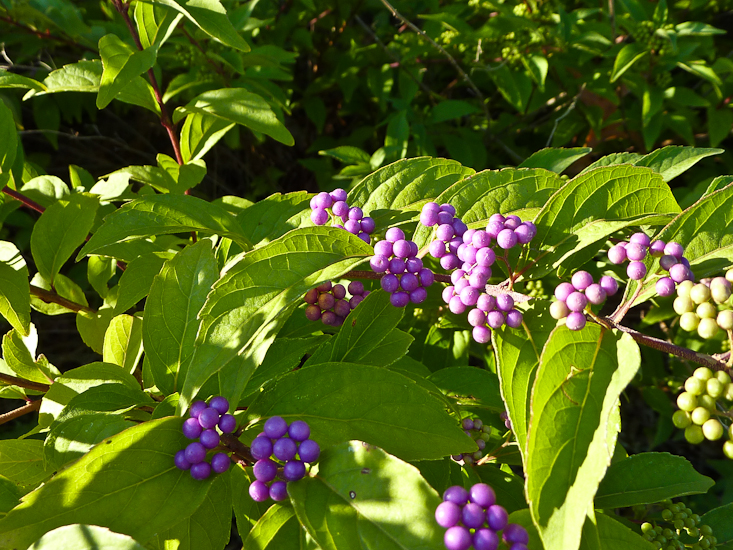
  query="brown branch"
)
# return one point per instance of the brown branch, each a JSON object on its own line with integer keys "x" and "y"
{"x": 51, "y": 297}
{"x": 46, "y": 35}
{"x": 25, "y": 200}
{"x": 23, "y": 383}
{"x": 231, "y": 442}
{"x": 20, "y": 411}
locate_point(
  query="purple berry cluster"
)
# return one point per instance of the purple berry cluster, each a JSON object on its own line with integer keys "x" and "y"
{"x": 480, "y": 433}
{"x": 291, "y": 449}
{"x": 670, "y": 256}
{"x": 352, "y": 219}
{"x": 328, "y": 302}
{"x": 404, "y": 277}
{"x": 573, "y": 297}
{"x": 505, "y": 417}
{"x": 201, "y": 426}
{"x": 448, "y": 235}
{"x": 473, "y": 518}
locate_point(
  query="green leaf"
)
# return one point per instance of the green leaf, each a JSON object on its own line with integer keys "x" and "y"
{"x": 12, "y": 80}
{"x": 9, "y": 144}
{"x": 184, "y": 176}
{"x": 161, "y": 215}
{"x": 719, "y": 520}
{"x": 376, "y": 405}
{"x": 171, "y": 320}
{"x": 603, "y": 532}
{"x": 514, "y": 86}
{"x": 720, "y": 122}
{"x": 697, "y": 28}
{"x": 200, "y": 132}
{"x": 362, "y": 332}
{"x": 99, "y": 271}
{"x": 278, "y": 528}
{"x": 700, "y": 69}
{"x": 347, "y": 154}
{"x": 517, "y": 360}
{"x": 21, "y": 361}
{"x": 271, "y": 218}
{"x": 241, "y": 107}
{"x": 673, "y": 160}
{"x": 537, "y": 66}
{"x": 577, "y": 219}
{"x": 509, "y": 488}
{"x": 573, "y": 426}
{"x": 9, "y": 495}
{"x": 254, "y": 298}
{"x": 613, "y": 159}
{"x": 15, "y": 298}
{"x": 155, "y": 23}
{"x": 474, "y": 385}
{"x": 210, "y": 16}
{"x": 122, "y": 63}
{"x": 153, "y": 176}
{"x": 60, "y": 230}
{"x": 246, "y": 511}
{"x": 21, "y": 461}
{"x": 111, "y": 398}
{"x": 127, "y": 483}
{"x": 123, "y": 342}
{"x": 210, "y": 526}
{"x": 451, "y": 109}
{"x": 555, "y": 159}
{"x": 627, "y": 56}
{"x": 93, "y": 326}
{"x": 136, "y": 280}
{"x": 85, "y": 537}
{"x": 685, "y": 97}
{"x": 646, "y": 478}
{"x": 338, "y": 508}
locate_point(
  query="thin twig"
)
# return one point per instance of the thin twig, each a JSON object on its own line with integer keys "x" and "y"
{"x": 20, "y": 411}
{"x": 23, "y": 383}
{"x": 53, "y": 298}
{"x": 566, "y": 113}
{"x": 25, "y": 200}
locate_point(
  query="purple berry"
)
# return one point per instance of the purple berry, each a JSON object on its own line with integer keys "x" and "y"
{"x": 325, "y": 301}
{"x": 275, "y": 427}
{"x": 191, "y": 428}
{"x": 278, "y": 491}
{"x": 355, "y": 301}
{"x": 418, "y": 296}
{"x": 667, "y": 261}
{"x": 209, "y": 439}
{"x": 383, "y": 248}
{"x": 209, "y": 418}
{"x": 413, "y": 265}
{"x": 444, "y": 232}
{"x": 504, "y": 302}
{"x": 595, "y": 294}
{"x": 482, "y": 494}
{"x": 265, "y": 470}
{"x": 444, "y": 218}
{"x": 506, "y": 239}
{"x": 575, "y": 321}
{"x": 476, "y": 318}
{"x": 456, "y": 494}
{"x": 339, "y": 292}
{"x": 485, "y": 539}
{"x": 397, "y": 266}
{"x": 449, "y": 208}
{"x": 480, "y": 239}
{"x": 449, "y": 261}
{"x": 368, "y": 225}
{"x": 437, "y": 249}
{"x": 401, "y": 248}
{"x": 457, "y": 538}
{"x": 636, "y": 270}
{"x": 389, "y": 283}
{"x": 680, "y": 272}
{"x": 640, "y": 238}
{"x": 399, "y": 299}
{"x": 323, "y": 200}
{"x": 426, "y": 277}
{"x": 200, "y": 471}
{"x": 665, "y": 286}
{"x": 294, "y": 470}
{"x": 486, "y": 302}
{"x": 485, "y": 257}
{"x": 220, "y": 463}
{"x": 355, "y": 213}
{"x": 259, "y": 491}
{"x": 459, "y": 227}
{"x": 581, "y": 280}
{"x": 355, "y": 288}
{"x": 299, "y": 431}
{"x": 428, "y": 218}
{"x": 195, "y": 452}
{"x": 261, "y": 447}
{"x": 284, "y": 449}
{"x": 635, "y": 252}
{"x": 497, "y": 517}
{"x": 576, "y": 301}
{"x": 319, "y": 216}
{"x": 524, "y": 234}
{"x": 220, "y": 404}
{"x": 338, "y": 194}
{"x": 409, "y": 282}
{"x": 515, "y": 533}
{"x": 342, "y": 308}
{"x": 308, "y": 451}
{"x": 352, "y": 226}
{"x": 481, "y": 334}
{"x": 394, "y": 234}
{"x": 469, "y": 296}
{"x": 379, "y": 264}
{"x": 472, "y": 515}
{"x": 329, "y": 318}
{"x": 455, "y": 305}
{"x": 512, "y": 221}
{"x": 478, "y": 280}
{"x": 674, "y": 249}
{"x": 514, "y": 319}
{"x": 494, "y": 228}
{"x": 495, "y": 319}
{"x": 657, "y": 248}
{"x": 467, "y": 423}
{"x": 609, "y": 284}
{"x": 563, "y": 290}
{"x": 180, "y": 460}
{"x": 497, "y": 218}
{"x": 447, "y": 294}
{"x": 617, "y": 254}
{"x": 196, "y": 408}
{"x": 340, "y": 209}
{"x": 447, "y": 514}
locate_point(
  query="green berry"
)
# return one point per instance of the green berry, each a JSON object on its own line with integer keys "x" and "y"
{"x": 693, "y": 531}
{"x": 707, "y": 311}
{"x": 667, "y": 514}
{"x": 681, "y": 419}
{"x": 729, "y": 275}
{"x": 714, "y": 388}
{"x": 647, "y": 528}
{"x": 694, "y": 385}
{"x": 682, "y": 305}
{"x": 694, "y": 435}
{"x": 689, "y": 321}
{"x": 724, "y": 377}
{"x": 725, "y": 319}
{"x": 699, "y": 416}
{"x": 686, "y": 401}
{"x": 683, "y": 289}
{"x": 558, "y": 310}
{"x": 713, "y": 429}
{"x": 699, "y": 293}
{"x": 706, "y": 401}
{"x": 719, "y": 289}
{"x": 703, "y": 373}
{"x": 706, "y": 530}
{"x": 707, "y": 328}
{"x": 668, "y": 533}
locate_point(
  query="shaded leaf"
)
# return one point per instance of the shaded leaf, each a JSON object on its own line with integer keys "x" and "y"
{"x": 122, "y": 63}
{"x": 673, "y": 160}
{"x": 555, "y": 159}
{"x": 15, "y": 297}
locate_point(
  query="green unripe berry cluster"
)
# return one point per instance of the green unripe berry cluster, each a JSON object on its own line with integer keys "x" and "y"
{"x": 676, "y": 518}
{"x": 705, "y": 306}
{"x": 480, "y": 433}
{"x": 535, "y": 289}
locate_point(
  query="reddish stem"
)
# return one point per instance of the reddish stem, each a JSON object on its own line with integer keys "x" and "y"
{"x": 45, "y": 35}
{"x": 20, "y": 411}
{"x": 25, "y": 200}
{"x": 23, "y": 383}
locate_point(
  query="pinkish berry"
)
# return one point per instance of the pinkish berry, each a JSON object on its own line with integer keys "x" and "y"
{"x": 617, "y": 254}
{"x": 481, "y": 334}
{"x": 640, "y": 238}
{"x": 609, "y": 284}
{"x": 401, "y": 248}
{"x": 512, "y": 221}
{"x": 480, "y": 239}
{"x": 319, "y": 216}
{"x": 576, "y": 301}
{"x": 355, "y": 213}
{"x": 447, "y": 293}
{"x": 486, "y": 302}
{"x": 457, "y": 538}
{"x": 394, "y": 234}
{"x": 444, "y": 232}
{"x": 665, "y": 286}
{"x": 504, "y": 302}
{"x": 449, "y": 208}
{"x": 657, "y": 248}
{"x": 340, "y": 209}
{"x": 674, "y": 249}
{"x": 379, "y": 264}
{"x": 495, "y": 319}
{"x": 485, "y": 257}
{"x": 383, "y": 248}
{"x": 636, "y": 270}
{"x": 563, "y": 290}
{"x": 447, "y": 514}
{"x": 524, "y": 234}
{"x": 595, "y": 294}
{"x": 258, "y": 491}
{"x": 635, "y": 252}
{"x": 352, "y": 226}
{"x": 575, "y": 321}
{"x": 338, "y": 194}
{"x": 449, "y": 261}
{"x": 581, "y": 280}
{"x": 437, "y": 249}
{"x": 469, "y": 296}
{"x": 680, "y": 272}
{"x": 494, "y": 228}
{"x": 455, "y": 305}
{"x": 506, "y": 239}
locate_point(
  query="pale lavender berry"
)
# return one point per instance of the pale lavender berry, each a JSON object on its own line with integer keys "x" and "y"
{"x": 576, "y": 301}
{"x": 674, "y": 249}
{"x": 468, "y": 236}
{"x": 265, "y": 469}
{"x": 472, "y": 515}
{"x": 418, "y": 296}
{"x": 275, "y": 427}
{"x": 482, "y": 494}
{"x": 220, "y": 463}
{"x": 469, "y": 296}
{"x": 609, "y": 284}
{"x": 497, "y": 218}
{"x": 581, "y": 280}
{"x": 437, "y": 249}
{"x": 200, "y": 471}
{"x": 397, "y": 266}
{"x": 432, "y": 205}
{"x": 667, "y": 261}
{"x": 352, "y": 226}
{"x": 444, "y": 232}
{"x": 220, "y": 404}
{"x": 486, "y": 302}
{"x": 485, "y": 539}
{"x": 457, "y": 494}
{"x": 595, "y": 294}
{"x": 515, "y": 533}
{"x": 261, "y": 447}
{"x": 514, "y": 319}
{"x": 197, "y": 407}
{"x": 340, "y": 209}
{"x": 399, "y": 299}
{"x": 209, "y": 418}
{"x": 447, "y": 514}
{"x": 497, "y": 517}
{"x": 294, "y": 470}
{"x": 532, "y": 229}
{"x": 323, "y": 200}
{"x": 481, "y": 334}
{"x": 512, "y": 221}
{"x": 449, "y": 261}
{"x": 640, "y": 238}
{"x": 504, "y": 302}
{"x": 478, "y": 280}
{"x": 394, "y": 234}
{"x": 494, "y": 228}
{"x": 191, "y": 428}
{"x": 495, "y": 319}
{"x": 457, "y": 538}
{"x": 278, "y": 491}
{"x": 379, "y": 264}
{"x": 636, "y": 270}
{"x": 506, "y": 239}
{"x": 313, "y": 202}
{"x": 476, "y": 318}
{"x": 308, "y": 451}
{"x": 480, "y": 239}
{"x": 680, "y": 272}
{"x": 617, "y": 254}
{"x": 413, "y": 265}
{"x": 319, "y": 216}
{"x": 459, "y": 227}
{"x": 469, "y": 254}
{"x": 401, "y": 248}
{"x": 195, "y": 452}
{"x": 455, "y": 305}
{"x": 563, "y": 290}
{"x": 449, "y": 208}
{"x": 524, "y": 234}
{"x": 575, "y": 321}
{"x": 485, "y": 257}
{"x": 389, "y": 283}
{"x": 635, "y": 252}
{"x": 180, "y": 460}
{"x": 338, "y": 194}
{"x": 657, "y": 248}
{"x": 383, "y": 248}
{"x": 665, "y": 286}
{"x": 258, "y": 491}
{"x": 447, "y": 293}
{"x": 426, "y": 277}
{"x": 209, "y": 439}
{"x": 368, "y": 225}
{"x": 355, "y": 213}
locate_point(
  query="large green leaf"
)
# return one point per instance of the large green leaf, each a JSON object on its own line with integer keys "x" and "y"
{"x": 252, "y": 300}
{"x": 719, "y": 520}
{"x": 555, "y": 159}
{"x": 673, "y": 160}
{"x": 277, "y": 529}
{"x": 155, "y": 23}
{"x": 136, "y": 280}
{"x": 123, "y": 342}
{"x": 85, "y": 537}
{"x": 21, "y": 461}
{"x": 578, "y": 218}
{"x": 122, "y": 63}
{"x": 476, "y": 386}
{"x": 573, "y": 426}
{"x": 646, "y": 478}
{"x": 163, "y": 214}
{"x": 342, "y": 401}
{"x": 365, "y": 498}
{"x": 239, "y": 106}
{"x": 20, "y": 359}
{"x": 171, "y": 313}
{"x": 517, "y": 359}
{"x": 627, "y": 56}
{"x": 9, "y": 144}
{"x": 12, "y": 80}
{"x": 15, "y": 296}
{"x": 270, "y": 218}
{"x": 200, "y": 132}
{"x": 127, "y": 483}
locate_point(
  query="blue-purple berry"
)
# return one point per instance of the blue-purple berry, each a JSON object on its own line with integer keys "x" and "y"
{"x": 278, "y": 491}
{"x": 220, "y": 404}
{"x": 284, "y": 449}
{"x": 201, "y": 470}
{"x": 309, "y": 451}
{"x": 227, "y": 423}
{"x": 265, "y": 469}
{"x": 209, "y": 418}
{"x": 220, "y": 463}
{"x": 294, "y": 470}
{"x": 261, "y": 447}
{"x": 180, "y": 460}
{"x": 195, "y": 452}
{"x": 209, "y": 438}
{"x": 191, "y": 428}
{"x": 275, "y": 427}
{"x": 259, "y": 491}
